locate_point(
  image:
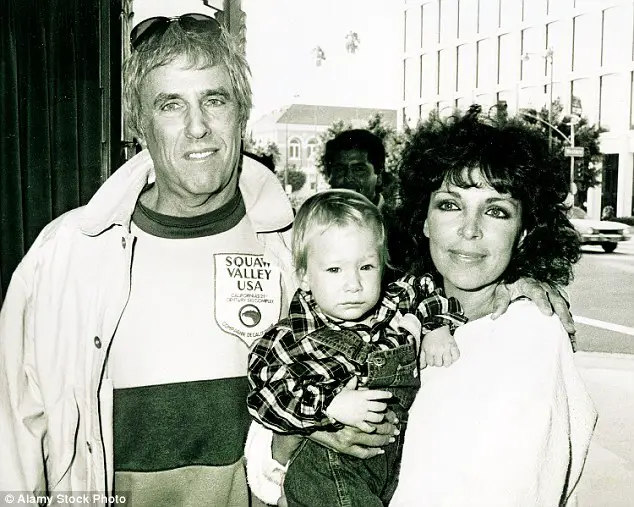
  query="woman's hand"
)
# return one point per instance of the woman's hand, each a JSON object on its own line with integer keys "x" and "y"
{"x": 547, "y": 298}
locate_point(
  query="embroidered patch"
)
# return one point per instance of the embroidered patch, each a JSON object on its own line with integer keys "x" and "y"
{"x": 248, "y": 295}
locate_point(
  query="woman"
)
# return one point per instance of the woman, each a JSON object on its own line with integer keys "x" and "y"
{"x": 485, "y": 211}
{"x": 509, "y": 424}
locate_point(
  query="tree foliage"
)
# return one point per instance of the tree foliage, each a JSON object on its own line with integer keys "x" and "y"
{"x": 263, "y": 148}
{"x": 587, "y": 170}
{"x": 293, "y": 177}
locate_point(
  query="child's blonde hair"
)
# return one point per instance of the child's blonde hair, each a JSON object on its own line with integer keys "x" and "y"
{"x": 339, "y": 208}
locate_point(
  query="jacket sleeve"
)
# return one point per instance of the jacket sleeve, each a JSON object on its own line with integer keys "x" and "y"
{"x": 22, "y": 420}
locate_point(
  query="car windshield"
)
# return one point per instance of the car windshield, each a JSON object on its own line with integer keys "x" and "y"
{"x": 576, "y": 212}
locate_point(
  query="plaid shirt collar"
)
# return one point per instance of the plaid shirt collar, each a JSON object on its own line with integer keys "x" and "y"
{"x": 305, "y": 316}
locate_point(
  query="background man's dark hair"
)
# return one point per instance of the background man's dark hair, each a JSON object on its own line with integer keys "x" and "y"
{"x": 356, "y": 139}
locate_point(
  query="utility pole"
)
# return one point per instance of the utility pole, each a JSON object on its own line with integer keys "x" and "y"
{"x": 548, "y": 56}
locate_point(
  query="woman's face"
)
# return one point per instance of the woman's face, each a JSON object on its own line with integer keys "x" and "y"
{"x": 472, "y": 235}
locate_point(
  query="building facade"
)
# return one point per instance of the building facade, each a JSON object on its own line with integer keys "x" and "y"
{"x": 296, "y": 130}
{"x": 529, "y": 53}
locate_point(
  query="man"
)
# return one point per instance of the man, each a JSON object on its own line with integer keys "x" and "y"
{"x": 355, "y": 159}
{"x": 125, "y": 331}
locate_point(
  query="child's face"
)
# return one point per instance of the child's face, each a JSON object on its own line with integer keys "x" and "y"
{"x": 344, "y": 272}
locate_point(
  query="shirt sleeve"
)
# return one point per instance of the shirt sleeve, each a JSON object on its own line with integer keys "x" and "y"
{"x": 420, "y": 296}
{"x": 293, "y": 382}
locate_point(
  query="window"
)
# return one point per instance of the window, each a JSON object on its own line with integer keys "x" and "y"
{"x": 446, "y": 71}
{"x": 466, "y": 68}
{"x": 586, "y": 91}
{"x": 429, "y": 26}
{"x": 445, "y": 108}
{"x": 486, "y": 61}
{"x": 534, "y": 10}
{"x": 412, "y": 30}
{"x": 294, "y": 148}
{"x": 611, "y": 110}
{"x": 557, "y": 7}
{"x": 632, "y": 103}
{"x": 448, "y": 25}
{"x": 463, "y": 103}
{"x": 508, "y": 63}
{"x": 428, "y": 77}
{"x": 556, "y": 39}
{"x": 412, "y": 79}
{"x": 467, "y": 18}
{"x": 311, "y": 148}
{"x": 486, "y": 100}
{"x": 488, "y": 15}
{"x": 531, "y": 63}
{"x": 426, "y": 109}
{"x": 531, "y": 97}
{"x": 617, "y": 35}
{"x": 510, "y": 13}
{"x": 586, "y": 42}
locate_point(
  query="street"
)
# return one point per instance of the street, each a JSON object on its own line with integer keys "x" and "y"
{"x": 602, "y": 299}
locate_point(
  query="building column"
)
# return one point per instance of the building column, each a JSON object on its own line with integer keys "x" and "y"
{"x": 625, "y": 182}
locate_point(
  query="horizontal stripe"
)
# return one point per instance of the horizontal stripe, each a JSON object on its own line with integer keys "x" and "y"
{"x": 185, "y": 487}
{"x": 161, "y": 427}
{"x": 610, "y": 326}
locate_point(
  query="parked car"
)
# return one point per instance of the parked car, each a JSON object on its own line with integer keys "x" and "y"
{"x": 598, "y": 232}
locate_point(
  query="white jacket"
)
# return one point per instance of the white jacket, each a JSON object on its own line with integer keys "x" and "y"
{"x": 61, "y": 311}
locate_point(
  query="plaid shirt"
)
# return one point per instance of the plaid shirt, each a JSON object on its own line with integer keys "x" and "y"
{"x": 293, "y": 379}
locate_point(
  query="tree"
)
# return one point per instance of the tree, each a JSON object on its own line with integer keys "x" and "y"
{"x": 587, "y": 169}
{"x": 264, "y": 148}
{"x": 293, "y": 177}
{"x": 352, "y": 42}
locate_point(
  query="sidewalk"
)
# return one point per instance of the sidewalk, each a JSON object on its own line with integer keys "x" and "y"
{"x": 608, "y": 478}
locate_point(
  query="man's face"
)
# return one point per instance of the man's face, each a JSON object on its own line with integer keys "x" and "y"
{"x": 190, "y": 126}
{"x": 351, "y": 169}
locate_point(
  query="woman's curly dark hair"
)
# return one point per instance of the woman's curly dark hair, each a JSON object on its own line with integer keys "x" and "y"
{"x": 514, "y": 159}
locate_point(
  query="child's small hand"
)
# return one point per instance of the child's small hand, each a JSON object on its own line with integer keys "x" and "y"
{"x": 439, "y": 348}
{"x": 359, "y": 408}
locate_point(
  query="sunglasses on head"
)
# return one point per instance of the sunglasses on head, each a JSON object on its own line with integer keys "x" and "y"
{"x": 191, "y": 22}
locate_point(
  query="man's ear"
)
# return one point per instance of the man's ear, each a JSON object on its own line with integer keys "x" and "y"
{"x": 379, "y": 183}
{"x": 426, "y": 229}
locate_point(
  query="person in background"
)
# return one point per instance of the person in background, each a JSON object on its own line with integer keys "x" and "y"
{"x": 344, "y": 329}
{"x": 510, "y": 423}
{"x": 355, "y": 159}
{"x": 607, "y": 213}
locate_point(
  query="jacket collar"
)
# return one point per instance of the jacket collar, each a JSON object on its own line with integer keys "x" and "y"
{"x": 267, "y": 206}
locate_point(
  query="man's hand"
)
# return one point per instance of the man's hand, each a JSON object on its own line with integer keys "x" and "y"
{"x": 359, "y": 408}
{"x": 439, "y": 348}
{"x": 548, "y": 299}
{"x": 357, "y": 443}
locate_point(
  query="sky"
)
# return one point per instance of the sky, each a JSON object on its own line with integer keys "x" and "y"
{"x": 281, "y": 35}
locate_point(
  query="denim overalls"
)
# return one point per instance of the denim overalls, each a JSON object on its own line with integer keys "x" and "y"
{"x": 318, "y": 476}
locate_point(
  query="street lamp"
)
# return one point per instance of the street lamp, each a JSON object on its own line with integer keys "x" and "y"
{"x": 548, "y": 57}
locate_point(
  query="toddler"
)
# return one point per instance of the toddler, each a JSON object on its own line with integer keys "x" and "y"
{"x": 347, "y": 351}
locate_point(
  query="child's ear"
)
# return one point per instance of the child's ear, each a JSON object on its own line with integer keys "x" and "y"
{"x": 303, "y": 281}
